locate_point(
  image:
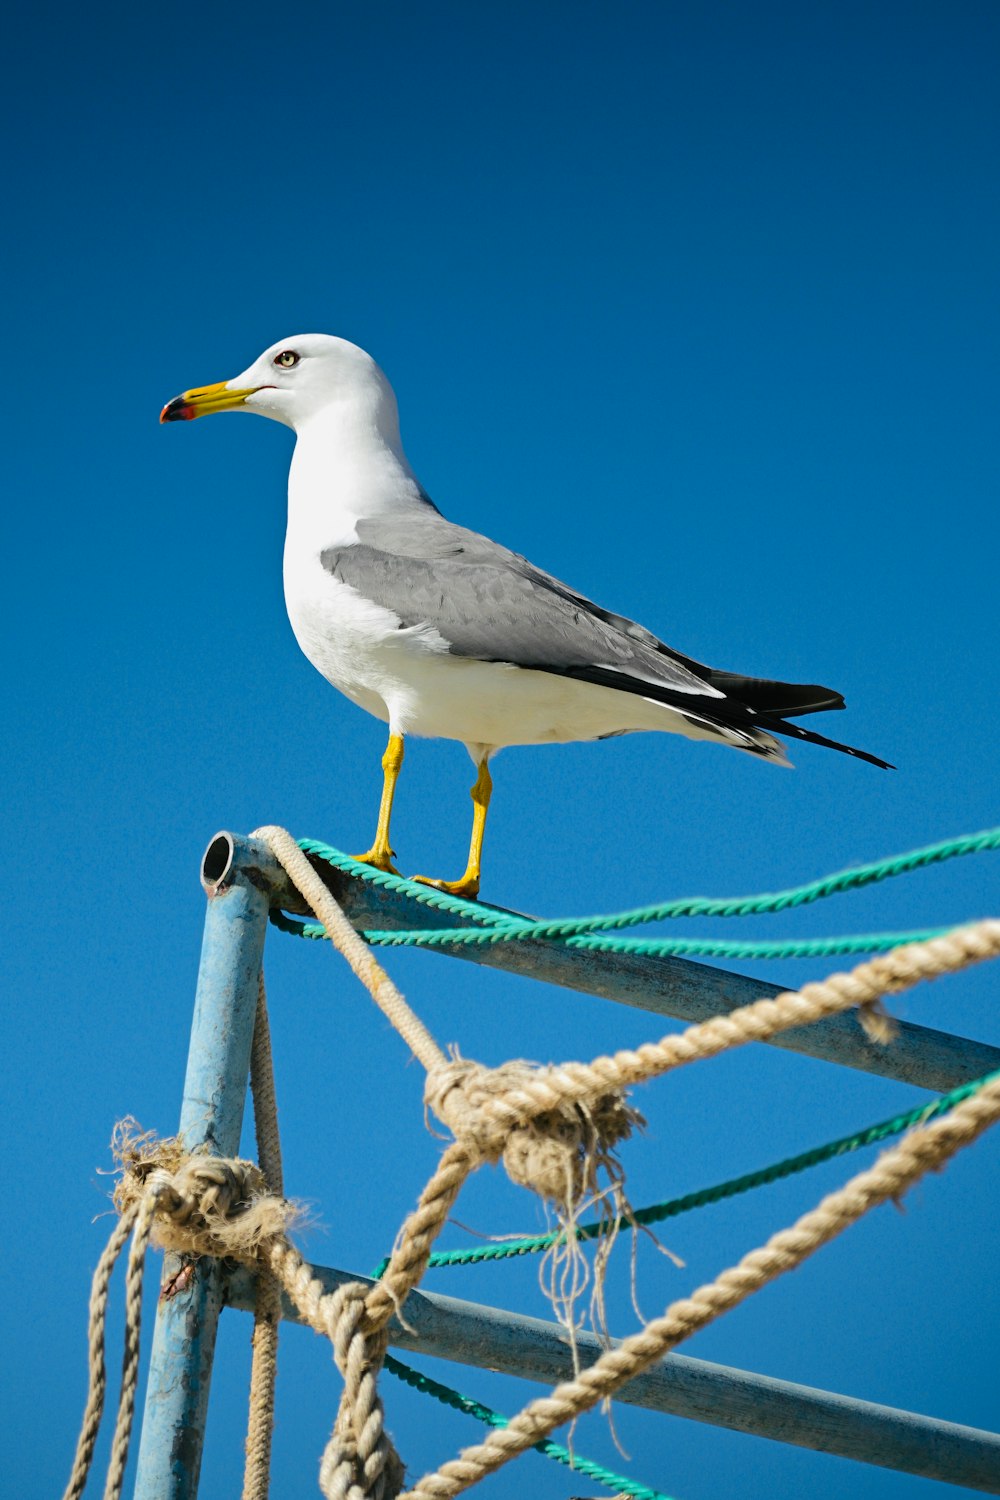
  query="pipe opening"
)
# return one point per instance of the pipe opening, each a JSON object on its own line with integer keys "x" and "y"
{"x": 217, "y": 861}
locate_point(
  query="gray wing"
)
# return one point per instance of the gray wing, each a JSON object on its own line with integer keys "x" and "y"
{"x": 493, "y": 605}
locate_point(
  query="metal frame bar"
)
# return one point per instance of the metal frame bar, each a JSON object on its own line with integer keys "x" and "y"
{"x": 473, "y": 1334}
{"x": 215, "y": 1089}
{"x": 243, "y": 881}
{"x": 677, "y": 987}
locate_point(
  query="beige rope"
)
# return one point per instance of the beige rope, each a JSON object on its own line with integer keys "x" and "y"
{"x": 130, "y": 1362}
{"x": 381, "y": 988}
{"x": 360, "y": 1452}
{"x": 328, "y": 1312}
{"x": 265, "y": 1099}
{"x": 360, "y": 1460}
{"x": 463, "y": 1095}
{"x": 413, "y": 1245}
{"x": 195, "y": 1204}
{"x": 267, "y": 1306}
{"x": 896, "y": 1170}
{"x": 558, "y": 1151}
{"x": 97, "y": 1385}
{"x": 208, "y": 1205}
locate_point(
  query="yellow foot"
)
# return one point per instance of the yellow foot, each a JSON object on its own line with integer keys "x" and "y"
{"x": 468, "y": 886}
{"x": 379, "y": 859}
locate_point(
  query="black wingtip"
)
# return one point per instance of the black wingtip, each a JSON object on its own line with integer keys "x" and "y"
{"x": 795, "y": 732}
{"x": 766, "y": 695}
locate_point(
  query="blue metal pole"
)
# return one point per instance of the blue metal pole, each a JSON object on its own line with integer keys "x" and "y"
{"x": 675, "y": 987}
{"x": 215, "y": 1089}
{"x": 448, "y": 1328}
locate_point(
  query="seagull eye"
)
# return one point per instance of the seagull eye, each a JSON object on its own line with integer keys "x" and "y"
{"x": 287, "y": 359}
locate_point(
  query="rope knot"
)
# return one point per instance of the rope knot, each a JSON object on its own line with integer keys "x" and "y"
{"x": 514, "y": 1113}
{"x": 360, "y": 1461}
{"x": 205, "y": 1205}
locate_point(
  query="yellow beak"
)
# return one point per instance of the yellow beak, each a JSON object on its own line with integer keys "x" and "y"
{"x": 202, "y": 400}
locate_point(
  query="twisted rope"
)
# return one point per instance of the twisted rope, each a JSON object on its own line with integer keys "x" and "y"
{"x": 408, "y": 1260}
{"x": 267, "y": 1306}
{"x": 671, "y": 1208}
{"x": 212, "y": 1206}
{"x": 514, "y": 927}
{"x": 198, "y": 1204}
{"x": 459, "y": 1092}
{"x": 622, "y": 1486}
{"x": 558, "y": 1156}
{"x": 359, "y": 1452}
{"x": 359, "y": 1460}
{"x": 770, "y": 948}
{"x": 484, "y": 1107}
{"x": 381, "y": 988}
{"x": 97, "y": 1384}
{"x": 130, "y": 1361}
{"x": 194, "y": 1204}
{"x": 897, "y": 1170}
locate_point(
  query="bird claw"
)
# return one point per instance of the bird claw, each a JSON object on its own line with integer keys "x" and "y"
{"x": 378, "y": 859}
{"x": 467, "y": 887}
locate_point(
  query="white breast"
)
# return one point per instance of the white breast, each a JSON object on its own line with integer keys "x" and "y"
{"x": 394, "y": 672}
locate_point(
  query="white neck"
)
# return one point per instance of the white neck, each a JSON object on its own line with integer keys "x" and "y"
{"x": 348, "y": 464}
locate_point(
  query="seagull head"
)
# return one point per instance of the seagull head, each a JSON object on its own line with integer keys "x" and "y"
{"x": 295, "y": 381}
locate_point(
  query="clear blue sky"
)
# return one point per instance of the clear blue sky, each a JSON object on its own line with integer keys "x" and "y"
{"x": 697, "y": 305}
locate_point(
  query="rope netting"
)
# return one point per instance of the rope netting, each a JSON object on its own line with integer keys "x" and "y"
{"x": 556, "y": 1129}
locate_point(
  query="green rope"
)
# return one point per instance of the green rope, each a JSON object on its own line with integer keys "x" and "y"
{"x": 696, "y": 906}
{"x": 478, "y": 937}
{"x": 494, "y": 926}
{"x": 672, "y": 1207}
{"x": 491, "y": 1418}
{"x": 802, "y": 895}
{"x": 873, "y": 942}
{"x": 423, "y": 895}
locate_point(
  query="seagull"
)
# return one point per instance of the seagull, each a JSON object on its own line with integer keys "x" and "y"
{"x": 441, "y": 632}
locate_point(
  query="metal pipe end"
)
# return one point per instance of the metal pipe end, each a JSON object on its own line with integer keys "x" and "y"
{"x": 217, "y": 863}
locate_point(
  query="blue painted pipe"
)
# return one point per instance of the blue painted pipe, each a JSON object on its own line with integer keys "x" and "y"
{"x": 677, "y": 987}
{"x": 215, "y": 1089}
{"x": 449, "y": 1328}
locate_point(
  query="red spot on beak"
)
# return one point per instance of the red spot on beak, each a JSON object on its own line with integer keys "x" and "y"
{"x": 177, "y": 410}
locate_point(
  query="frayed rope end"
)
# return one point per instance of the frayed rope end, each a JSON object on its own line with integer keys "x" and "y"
{"x": 206, "y": 1205}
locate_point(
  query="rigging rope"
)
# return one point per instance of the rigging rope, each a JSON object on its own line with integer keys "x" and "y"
{"x": 896, "y": 1170}
{"x": 476, "y": 937}
{"x": 492, "y": 926}
{"x": 207, "y": 1205}
{"x": 671, "y": 1208}
{"x": 575, "y": 1461}
{"x": 851, "y": 879}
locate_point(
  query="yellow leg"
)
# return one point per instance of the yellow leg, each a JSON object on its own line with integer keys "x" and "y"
{"x": 468, "y": 886}
{"x": 380, "y": 854}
